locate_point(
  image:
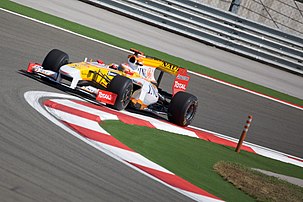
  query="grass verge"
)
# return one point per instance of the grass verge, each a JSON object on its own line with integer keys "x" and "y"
{"x": 6, "y": 4}
{"x": 193, "y": 159}
{"x": 258, "y": 185}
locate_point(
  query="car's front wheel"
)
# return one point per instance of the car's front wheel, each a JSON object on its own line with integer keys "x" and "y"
{"x": 123, "y": 87}
{"x": 182, "y": 108}
{"x": 54, "y": 60}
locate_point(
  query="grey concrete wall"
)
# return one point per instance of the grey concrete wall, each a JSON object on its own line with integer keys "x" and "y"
{"x": 286, "y": 15}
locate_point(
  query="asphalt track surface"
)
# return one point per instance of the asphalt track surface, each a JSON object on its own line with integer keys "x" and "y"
{"x": 41, "y": 162}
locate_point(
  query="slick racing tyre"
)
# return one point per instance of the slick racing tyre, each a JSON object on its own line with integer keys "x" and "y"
{"x": 54, "y": 60}
{"x": 123, "y": 87}
{"x": 182, "y": 108}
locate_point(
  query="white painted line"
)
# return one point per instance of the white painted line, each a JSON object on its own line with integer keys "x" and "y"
{"x": 121, "y": 49}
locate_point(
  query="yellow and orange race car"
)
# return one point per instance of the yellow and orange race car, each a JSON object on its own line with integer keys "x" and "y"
{"x": 132, "y": 83}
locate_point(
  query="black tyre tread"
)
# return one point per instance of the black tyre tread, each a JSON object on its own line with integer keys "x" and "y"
{"x": 55, "y": 59}
{"x": 178, "y": 107}
{"x": 120, "y": 85}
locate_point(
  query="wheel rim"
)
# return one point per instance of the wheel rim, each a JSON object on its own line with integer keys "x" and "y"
{"x": 190, "y": 112}
{"x": 126, "y": 96}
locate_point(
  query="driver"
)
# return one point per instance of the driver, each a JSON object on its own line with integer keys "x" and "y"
{"x": 142, "y": 76}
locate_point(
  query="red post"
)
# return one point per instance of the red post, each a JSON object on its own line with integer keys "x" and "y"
{"x": 243, "y": 135}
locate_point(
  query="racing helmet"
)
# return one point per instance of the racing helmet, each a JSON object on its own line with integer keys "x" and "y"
{"x": 133, "y": 62}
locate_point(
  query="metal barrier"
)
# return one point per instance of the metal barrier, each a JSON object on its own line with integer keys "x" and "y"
{"x": 215, "y": 27}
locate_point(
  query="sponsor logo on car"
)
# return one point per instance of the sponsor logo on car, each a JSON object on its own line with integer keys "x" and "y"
{"x": 179, "y": 85}
{"x": 106, "y": 97}
{"x": 181, "y": 77}
{"x": 102, "y": 95}
{"x": 170, "y": 66}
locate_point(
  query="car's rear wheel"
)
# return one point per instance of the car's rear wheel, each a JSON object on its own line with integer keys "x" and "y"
{"x": 123, "y": 87}
{"x": 182, "y": 108}
{"x": 54, "y": 60}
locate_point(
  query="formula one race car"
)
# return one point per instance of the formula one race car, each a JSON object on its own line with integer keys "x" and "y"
{"x": 130, "y": 84}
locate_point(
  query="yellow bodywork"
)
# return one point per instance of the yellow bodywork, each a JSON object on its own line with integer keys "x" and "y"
{"x": 92, "y": 72}
{"x": 98, "y": 73}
